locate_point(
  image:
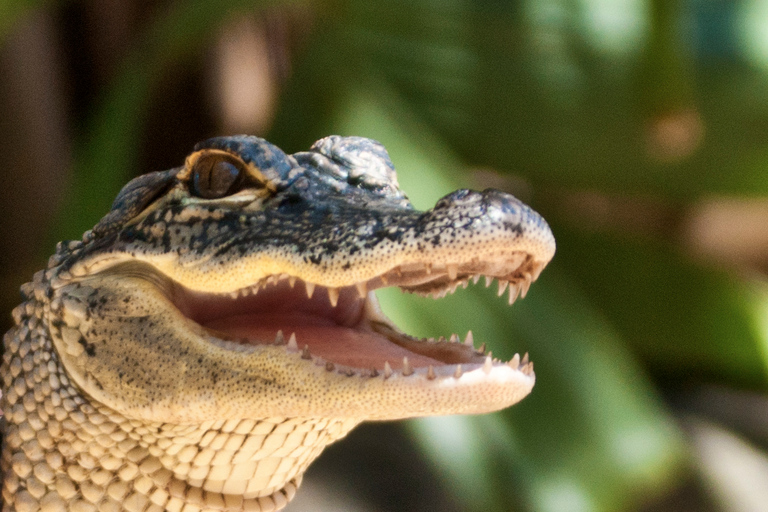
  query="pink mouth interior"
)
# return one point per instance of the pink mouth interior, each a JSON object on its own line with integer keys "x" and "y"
{"x": 338, "y": 334}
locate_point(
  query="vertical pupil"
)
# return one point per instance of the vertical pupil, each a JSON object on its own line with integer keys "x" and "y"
{"x": 214, "y": 178}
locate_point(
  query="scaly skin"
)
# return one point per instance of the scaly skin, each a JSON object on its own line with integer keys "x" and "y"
{"x": 174, "y": 360}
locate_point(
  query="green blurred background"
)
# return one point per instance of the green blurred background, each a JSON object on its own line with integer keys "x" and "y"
{"x": 638, "y": 128}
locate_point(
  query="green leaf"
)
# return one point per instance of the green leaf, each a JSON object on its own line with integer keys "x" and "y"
{"x": 521, "y": 88}
{"x": 686, "y": 319}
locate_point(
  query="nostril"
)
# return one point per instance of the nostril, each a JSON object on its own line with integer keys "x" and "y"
{"x": 461, "y": 197}
{"x": 507, "y": 203}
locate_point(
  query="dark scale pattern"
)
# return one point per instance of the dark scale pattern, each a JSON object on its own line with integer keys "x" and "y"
{"x": 112, "y": 400}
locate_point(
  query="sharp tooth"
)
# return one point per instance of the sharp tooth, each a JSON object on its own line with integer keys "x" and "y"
{"x": 362, "y": 290}
{"x": 441, "y": 339}
{"x": 464, "y": 284}
{"x": 333, "y": 296}
{"x": 454, "y": 338}
{"x": 330, "y": 366}
{"x": 431, "y": 373}
{"x": 481, "y": 350}
{"x": 488, "y": 281}
{"x": 469, "y": 340}
{"x": 279, "y": 338}
{"x": 525, "y": 285}
{"x": 502, "y": 286}
{"x": 528, "y": 369}
{"x": 244, "y": 291}
{"x": 374, "y": 372}
{"x": 524, "y": 360}
{"x": 475, "y": 278}
{"x": 488, "y": 365}
{"x": 272, "y": 279}
{"x": 387, "y": 370}
{"x": 513, "y": 292}
{"x": 515, "y": 362}
{"x": 305, "y": 353}
{"x": 291, "y": 281}
{"x": 453, "y": 271}
{"x": 310, "y": 288}
{"x": 536, "y": 270}
{"x": 407, "y": 370}
{"x": 430, "y": 340}
{"x": 292, "y": 345}
{"x": 457, "y": 373}
{"x": 234, "y": 295}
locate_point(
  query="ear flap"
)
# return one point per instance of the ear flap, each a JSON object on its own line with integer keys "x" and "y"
{"x": 136, "y": 195}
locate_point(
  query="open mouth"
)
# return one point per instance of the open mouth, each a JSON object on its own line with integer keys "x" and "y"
{"x": 343, "y": 329}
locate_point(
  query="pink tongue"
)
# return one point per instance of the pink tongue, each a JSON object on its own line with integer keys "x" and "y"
{"x": 340, "y": 345}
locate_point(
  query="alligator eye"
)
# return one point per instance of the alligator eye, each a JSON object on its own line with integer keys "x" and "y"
{"x": 215, "y": 176}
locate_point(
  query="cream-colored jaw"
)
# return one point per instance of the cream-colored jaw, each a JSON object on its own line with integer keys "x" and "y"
{"x": 281, "y": 347}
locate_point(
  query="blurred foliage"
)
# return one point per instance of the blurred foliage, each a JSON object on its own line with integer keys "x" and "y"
{"x": 628, "y": 97}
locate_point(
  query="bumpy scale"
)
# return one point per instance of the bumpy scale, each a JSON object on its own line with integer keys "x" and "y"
{"x": 217, "y": 328}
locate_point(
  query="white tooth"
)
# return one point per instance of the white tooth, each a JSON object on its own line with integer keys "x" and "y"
{"x": 488, "y": 365}
{"x": 488, "y": 281}
{"x": 279, "y": 338}
{"x": 536, "y": 271}
{"x": 333, "y": 296}
{"x": 272, "y": 279}
{"x": 310, "y": 289}
{"x": 475, "y": 278}
{"x": 528, "y": 369}
{"x": 502, "y": 286}
{"x": 292, "y": 345}
{"x": 481, "y": 350}
{"x": 292, "y": 281}
{"x": 234, "y": 295}
{"x": 469, "y": 340}
{"x": 524, "y": 360}
{"x": 244, "y": 291}
{"x": 513, "y": 291}
{"x": 453, "y": 271}
{"x": 387, "y": 370}
{"x": 515, "y": 362}
{"x": 464, "y": 284}
{"x": 525, "y": 285}
{"x": 362, "y": 289}
{"x": 431, "y": 373}
{"x": 457, "y": 373}
{"x": 454, "y": 338}
{"x": 407, "y": 370}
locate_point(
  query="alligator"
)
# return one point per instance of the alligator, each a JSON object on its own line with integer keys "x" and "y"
{"x": 218, "y": 327}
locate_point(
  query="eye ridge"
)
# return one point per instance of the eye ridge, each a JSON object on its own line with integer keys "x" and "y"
{"x": 216, "y": 176}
